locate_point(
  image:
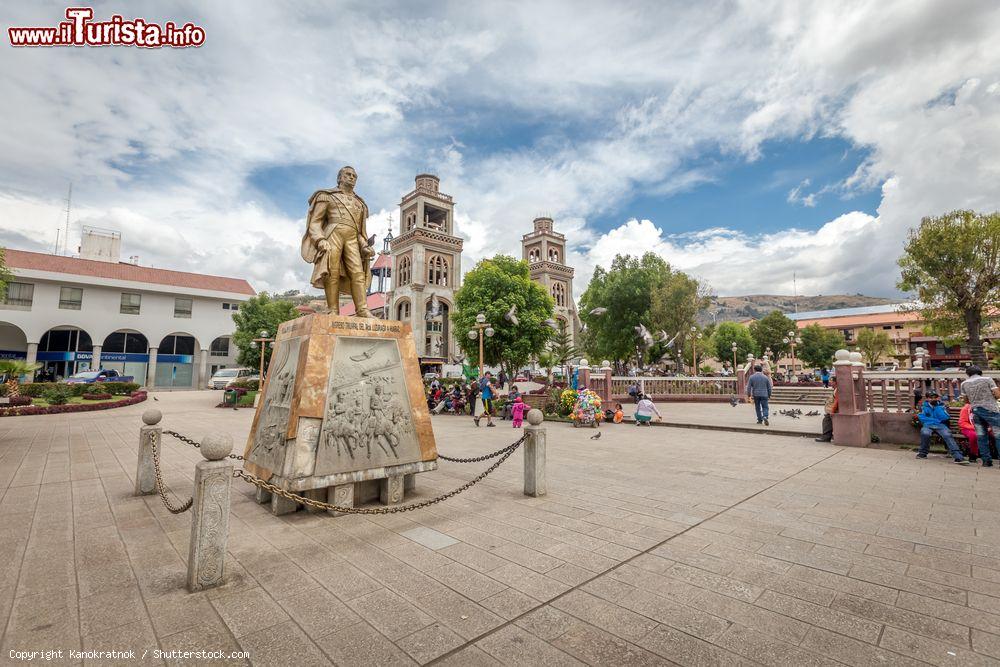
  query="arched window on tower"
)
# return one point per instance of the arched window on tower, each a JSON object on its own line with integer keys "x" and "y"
{"x": 403, "y": 311}
{"x": 559, "y": 294}
{"x": 403, "y": 273}
{"x": 437, "y": 270}
{"x": 411, "y": 221}
{"x": 533, "y": 255}
{"x": 553, "y": 255}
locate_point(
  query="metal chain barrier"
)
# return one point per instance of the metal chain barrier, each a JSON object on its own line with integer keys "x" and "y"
{"x": 160, "y": 486}
{"x": 309, "y": 502}
{"x": 485, "y": 457}
{"x": 195, "y": 443}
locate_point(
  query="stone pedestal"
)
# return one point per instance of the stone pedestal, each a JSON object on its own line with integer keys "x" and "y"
{"x": 342, "y": 404}
{"x": 145, "y": 473}
{"x": 852, "y": 430}
{"x": 209, "y": 524}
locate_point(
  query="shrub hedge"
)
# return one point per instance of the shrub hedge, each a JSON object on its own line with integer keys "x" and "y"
{"x": 96, "y": 397}
{"x": 36, "y": 389}
{"x": 132, "y": 399}
{"x": 243, "y": 383}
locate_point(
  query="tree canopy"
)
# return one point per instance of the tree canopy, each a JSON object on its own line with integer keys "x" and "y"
{"x": 677, "y": 300}
{"x": 625, "y": 291}
{"x": 819, "y": 345}
{"x": 873, "y": 345}
{"x": 492, "y": 287}
{"x": 256, "y": 314}
{"x": 769, "y": 331}
{"x": 952, "y": 262}
{"x": 728, "y": 333}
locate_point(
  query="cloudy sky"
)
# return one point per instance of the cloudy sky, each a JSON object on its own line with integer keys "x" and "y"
{"x": 743, "y": 141}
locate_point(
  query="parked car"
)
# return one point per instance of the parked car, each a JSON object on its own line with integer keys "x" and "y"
{"x": 224, "y": 376}
{"x": 103, "y": 375}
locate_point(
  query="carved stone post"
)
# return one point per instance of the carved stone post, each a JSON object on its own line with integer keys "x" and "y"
{"x": 534, "y": 455}
{"x": 852, "y": 424}
{"x": 213, "y": 479}
{"x": 145, "y": 475}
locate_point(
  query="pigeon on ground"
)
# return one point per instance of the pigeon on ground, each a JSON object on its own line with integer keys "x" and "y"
{"x": 597, "y": 312}
{"x": 812, "y": 413}
{"x": 155, "y": 398}
{"x": 511, "y": 315}
{"x": 733, "y": 401}
{"x": 596, "y": 436}
{"x": 801, "y": 397}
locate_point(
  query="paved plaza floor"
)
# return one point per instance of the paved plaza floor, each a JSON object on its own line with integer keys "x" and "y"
{"x": 653, "y": 546}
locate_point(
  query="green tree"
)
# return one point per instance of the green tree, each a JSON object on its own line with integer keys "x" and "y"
{"x": 994, "y": 350}
{"x": 676, "y": 302}
{"x": 728, "y": 333}
{"x": 5, "y": 274}
{"x": 873, "y": 345}
{"x": 624, "y": 291}
{"x": 561, "y": 345}
{"x": 818, "y": 346}
{"x": 256, "y": 314}
{"x": 952, "y": 262}
{"x": 769, "y": 331}
{"x": 492, "y": 288}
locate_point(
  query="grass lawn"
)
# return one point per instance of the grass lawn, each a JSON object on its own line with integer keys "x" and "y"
{"x": 41, "y": 402}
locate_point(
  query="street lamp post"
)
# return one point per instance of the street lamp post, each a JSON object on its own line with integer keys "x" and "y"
{"x": 695, "y": 335}
{"x": 734, "y": 358}
{"x": 792, "y": 340}
{"x": 478, "y": 329}
{"x": 264, "y": 341}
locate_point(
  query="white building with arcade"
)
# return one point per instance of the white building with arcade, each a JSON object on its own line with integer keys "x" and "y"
{"x": 168, "y": 329}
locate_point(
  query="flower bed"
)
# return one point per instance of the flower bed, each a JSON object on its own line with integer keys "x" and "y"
{"x": 96, "y": 397}
{"x": 135, "y": 397}
{"x": 36, "y": 389}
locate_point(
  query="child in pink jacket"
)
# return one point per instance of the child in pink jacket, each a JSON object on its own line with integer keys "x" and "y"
{"x": 518, "y": 411}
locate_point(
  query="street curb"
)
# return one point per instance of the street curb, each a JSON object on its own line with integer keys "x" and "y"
{"x": 736, "y": 429}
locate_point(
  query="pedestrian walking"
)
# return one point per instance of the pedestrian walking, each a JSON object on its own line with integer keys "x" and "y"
{"x": 982, "y": 393}
{"x": 758, "y": 389}
{"x": 824, "y": 376}
{"x": 486, "y": 393}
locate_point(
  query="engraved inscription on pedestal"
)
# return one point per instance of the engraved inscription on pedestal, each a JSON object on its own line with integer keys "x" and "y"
{"x": 367, "y": 422}
{"x": 269, "y": 442}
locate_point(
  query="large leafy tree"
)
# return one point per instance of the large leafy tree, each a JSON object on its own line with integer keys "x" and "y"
{"x": 873, "y": 345}
{"x": 625, "y": 292}
{"x": 728, "y": 333}
{"x": 259, "y": 313}
{"x": 769, "y": 331}
{"x": 952, "y": 262}
{"x": 492, "y": 288}
{"x": 676, "y": 302}
{"x": 819, "y": 345}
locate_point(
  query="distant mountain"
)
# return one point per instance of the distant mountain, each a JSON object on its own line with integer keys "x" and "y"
{"x": 736, "y": 308}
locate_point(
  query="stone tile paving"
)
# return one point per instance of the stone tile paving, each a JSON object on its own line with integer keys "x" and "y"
{"x": 654, "y": 546}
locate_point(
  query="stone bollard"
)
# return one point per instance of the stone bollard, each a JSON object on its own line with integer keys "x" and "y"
{"x": 145, "y": 474}
{"x": 213, "y": 478}
{"x": 534, "y": 455}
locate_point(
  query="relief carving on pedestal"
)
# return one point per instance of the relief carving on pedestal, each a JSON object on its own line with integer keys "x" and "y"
{"x": 269, "y": 444}
{"x": 367, "y": 422}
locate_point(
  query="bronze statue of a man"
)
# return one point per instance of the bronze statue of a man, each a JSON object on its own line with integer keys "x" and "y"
{"x": 336, "y": 243}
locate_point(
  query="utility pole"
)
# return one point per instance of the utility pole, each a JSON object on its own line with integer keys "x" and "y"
{"x": 69, "y": 201}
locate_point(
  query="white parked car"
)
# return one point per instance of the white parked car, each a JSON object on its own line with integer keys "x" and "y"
{"x": 224, "y": 376}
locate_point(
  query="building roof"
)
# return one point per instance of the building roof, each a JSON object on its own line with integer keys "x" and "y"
{"x": 36, "y": 261}
{"x": 845, "y": 312}
{"x": 852, "y": 321}
{"x": 382, "y": 262}
{"x": 375, "y": 300}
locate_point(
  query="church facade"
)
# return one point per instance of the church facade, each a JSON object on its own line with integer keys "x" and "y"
{"x": 545, "y": 251}
{"x": 426, "y": 259}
